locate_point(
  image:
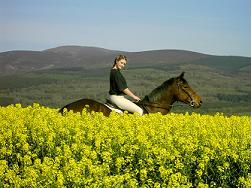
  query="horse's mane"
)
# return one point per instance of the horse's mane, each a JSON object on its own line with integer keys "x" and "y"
{"x": 161, "y": 90}
{"x": 158, "y": 92}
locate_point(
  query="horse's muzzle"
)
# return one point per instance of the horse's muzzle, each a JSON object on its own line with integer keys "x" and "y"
{"x": 195, "y": 104}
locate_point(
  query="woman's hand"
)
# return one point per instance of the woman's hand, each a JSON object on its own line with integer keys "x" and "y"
{"x": 136, "y": 98}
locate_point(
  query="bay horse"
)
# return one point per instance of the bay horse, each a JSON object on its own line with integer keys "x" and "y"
{"x": 161, "y": 99}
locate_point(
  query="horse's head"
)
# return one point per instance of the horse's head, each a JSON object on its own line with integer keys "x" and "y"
{"x": 185, "y": 93}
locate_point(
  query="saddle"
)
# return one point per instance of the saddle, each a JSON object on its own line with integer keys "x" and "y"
{"x": 113, "y": 106}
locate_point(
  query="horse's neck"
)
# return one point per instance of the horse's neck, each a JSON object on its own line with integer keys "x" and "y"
{"x": 166, "y": 99}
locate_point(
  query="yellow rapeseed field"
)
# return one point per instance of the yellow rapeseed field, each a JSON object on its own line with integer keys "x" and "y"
{"x": 41, "y": 148}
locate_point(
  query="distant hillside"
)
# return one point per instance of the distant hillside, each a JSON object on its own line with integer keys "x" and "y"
{"x": 15, "y": 62}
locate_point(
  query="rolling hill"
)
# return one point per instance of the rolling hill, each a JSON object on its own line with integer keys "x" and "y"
{"x": 63, "y": 74}
{"x": 15, "y": 62}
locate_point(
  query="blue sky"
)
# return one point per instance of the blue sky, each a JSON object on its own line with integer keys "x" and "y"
{"x": 218, "y": 27}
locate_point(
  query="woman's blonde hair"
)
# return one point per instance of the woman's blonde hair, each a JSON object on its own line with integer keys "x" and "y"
{"x": 118, "y": 58}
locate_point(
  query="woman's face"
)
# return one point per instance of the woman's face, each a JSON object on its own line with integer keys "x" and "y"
{"x": 120, "y": 64}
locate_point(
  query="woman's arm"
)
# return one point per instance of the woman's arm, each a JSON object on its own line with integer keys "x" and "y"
{"x": 129, "y": 93}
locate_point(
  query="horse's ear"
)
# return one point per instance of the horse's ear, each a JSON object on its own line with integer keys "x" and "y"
{"x": 181, "y": 75}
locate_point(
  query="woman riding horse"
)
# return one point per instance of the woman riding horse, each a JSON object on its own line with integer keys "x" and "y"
{"x": 160, "y": 99}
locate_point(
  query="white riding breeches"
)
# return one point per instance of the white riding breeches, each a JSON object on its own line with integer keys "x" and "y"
{"x": 125, "y": 104}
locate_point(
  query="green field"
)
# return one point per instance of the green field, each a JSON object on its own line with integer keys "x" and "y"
{"x": 228, "y": 93}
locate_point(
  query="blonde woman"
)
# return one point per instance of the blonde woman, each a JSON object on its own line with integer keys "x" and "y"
{"x": 119, "y": 88}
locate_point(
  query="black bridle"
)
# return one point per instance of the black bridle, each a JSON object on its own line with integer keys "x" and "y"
{"x": 188, "y": 94}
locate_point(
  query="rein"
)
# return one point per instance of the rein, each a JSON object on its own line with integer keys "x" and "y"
{"x": 159, "y": 105}
{"x": 156, "y": 105}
